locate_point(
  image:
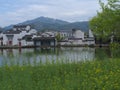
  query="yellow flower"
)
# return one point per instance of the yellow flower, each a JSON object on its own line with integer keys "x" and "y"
{"x": 98, "y": 70}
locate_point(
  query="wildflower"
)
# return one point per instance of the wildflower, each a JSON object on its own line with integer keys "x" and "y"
{"x": 98, "y": 70}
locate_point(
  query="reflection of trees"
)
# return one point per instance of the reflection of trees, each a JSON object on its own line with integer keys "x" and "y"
{"x": 115, "y": 53}
{"x": 105, "y": 53}
{"x": 45, "y": 51}
{"x": 102, "y": 53}
{"x": 29, "y": 54}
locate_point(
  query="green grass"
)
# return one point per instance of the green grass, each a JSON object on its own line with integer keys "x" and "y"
{"x": 89, "y": 75}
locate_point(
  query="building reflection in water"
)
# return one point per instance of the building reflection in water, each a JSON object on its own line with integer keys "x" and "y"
{"x": 10, "y": 52}
{"x": 20, "y": 50}
{"x": 1, "y": 51}
{"x": 71, "y": 54}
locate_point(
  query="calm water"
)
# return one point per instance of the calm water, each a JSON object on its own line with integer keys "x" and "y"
{"x": 31, "y": 56}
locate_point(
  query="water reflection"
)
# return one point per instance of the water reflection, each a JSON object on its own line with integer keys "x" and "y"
{"x": 45, "y": 51}
{"x": 37, "y": 55}
{"x": 105, "y": 53}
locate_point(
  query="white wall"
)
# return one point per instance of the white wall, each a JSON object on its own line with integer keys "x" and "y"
{"x": 4, "y": 39}
{"x": 26, "y": 43}
{"x": 78, "y": 42}
{"x": 23, "y": 42}
{"x": 15, "y": 39}
{"x": 27, "y": 28}
{"x": 29, "y": 43}
{"x": 78, "y": 34}
{"x": 90, "y": 42}
{"x": 23, "y": 33}
{"x": 32, "y": 31}
{"x": 90, "y": 33}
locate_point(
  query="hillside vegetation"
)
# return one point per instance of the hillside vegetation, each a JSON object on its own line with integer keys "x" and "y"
{"x": 45, "y": 23}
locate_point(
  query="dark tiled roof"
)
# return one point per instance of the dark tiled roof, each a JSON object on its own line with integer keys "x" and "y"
{"x": 66, "y": 31}
{"x": 20, "y": 26}
{"x": 47, "y": 34}
{"x": 63, "y": 41}
{"x": 12, "y": 32}
{"x": 74, "y": 38}
{"x": 9, "y": 35}
{"x": 27, "y": 37}
{"x": 44, "y": 38}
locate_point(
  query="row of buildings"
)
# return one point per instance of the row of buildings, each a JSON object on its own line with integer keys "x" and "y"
{"x": 24, "y": 35}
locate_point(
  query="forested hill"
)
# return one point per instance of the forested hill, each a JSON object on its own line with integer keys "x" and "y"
{"x": 0, "y": 28}
{"x": 45, "y": 23}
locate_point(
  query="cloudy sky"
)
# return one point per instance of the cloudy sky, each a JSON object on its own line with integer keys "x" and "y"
{"x": 16, "y": 11}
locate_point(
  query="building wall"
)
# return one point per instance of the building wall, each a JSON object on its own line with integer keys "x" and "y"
{"x": 52, "y": 43}
{"x": 23, "y": 43}
{"x": 78, "y": 34}
{"x": 15, "y": 39}
{"x": 29, "y": 43}
{"x": 90, "y": 33}
{"x": 5, "y": 40}
{"x": 32, "y": 31}
{"x": 78, "y": 38}
{"x": 76, "y": 42}
{"x": 65, "y": 34}
{"x": 92, "y": 42}
{"x": 27, "y": 27}
{"x": 38, "y": 43}
{"x": 23, "y": 33}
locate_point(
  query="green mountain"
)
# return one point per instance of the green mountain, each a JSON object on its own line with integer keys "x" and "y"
{"x": 45, "y": 23}
{"x": 1, "y": 29}
{"x": 84, "y": 26}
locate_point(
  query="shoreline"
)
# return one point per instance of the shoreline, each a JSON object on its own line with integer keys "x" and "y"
{"x": 20, "y": 47}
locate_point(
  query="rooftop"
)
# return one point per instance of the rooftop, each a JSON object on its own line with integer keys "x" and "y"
{"x": 12, "y": 32}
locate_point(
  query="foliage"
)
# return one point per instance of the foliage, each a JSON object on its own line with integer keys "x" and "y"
{"x": 95, "y": 75}
{"x": 114, "y": 46}
{"x": 59, "y": 37}
{"x": 106, "y": 24}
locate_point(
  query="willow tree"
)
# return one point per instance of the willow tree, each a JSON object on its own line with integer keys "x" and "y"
{"x": 106, "y": 24}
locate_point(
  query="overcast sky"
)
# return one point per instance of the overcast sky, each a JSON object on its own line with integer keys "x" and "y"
{"x": 16, "y": 11}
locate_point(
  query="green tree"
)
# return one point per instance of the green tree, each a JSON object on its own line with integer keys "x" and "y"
{"x": 58, "y": 37}
{"x": 106, "y": 24}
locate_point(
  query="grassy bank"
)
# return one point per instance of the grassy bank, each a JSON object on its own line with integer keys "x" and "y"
{"x": 90, "y": 75}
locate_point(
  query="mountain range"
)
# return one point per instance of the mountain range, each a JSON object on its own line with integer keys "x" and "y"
{"x": 45, "y": 23}
{"x": 0, "y": 29}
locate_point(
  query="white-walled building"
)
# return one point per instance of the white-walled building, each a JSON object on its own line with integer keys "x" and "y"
{"x": 77, "y": 37}
{"x": 45, "y": 39}
{"x": 24, "y": 35}
{"x": 15, "y": 36}
{"x": 90, "y": 40}
{"x": 78, "y": 34}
